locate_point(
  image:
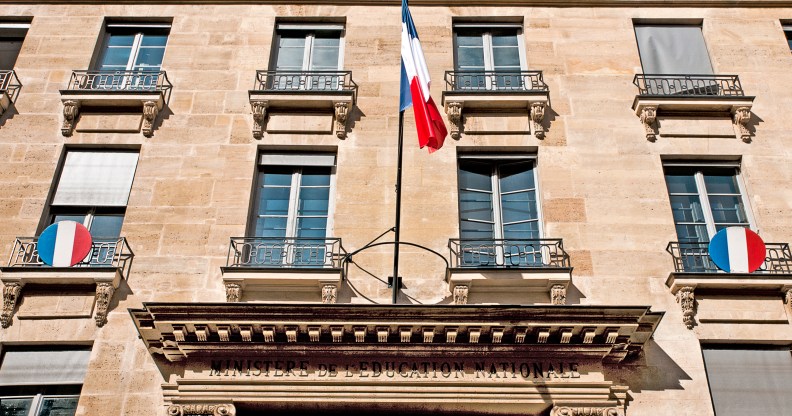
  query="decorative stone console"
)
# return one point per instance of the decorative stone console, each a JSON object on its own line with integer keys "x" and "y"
{"x": 531, "y": 103}
{"x": 311, "y": 285}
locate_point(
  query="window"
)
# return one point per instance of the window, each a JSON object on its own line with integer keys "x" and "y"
{"x": 93, "y": 189}
{"x": 672, "y": 49}
{"x": 136, "y": 48}
{"x": 498, "y": 211}
{"x": 301, "y": 49}
{"x": 705, "y": 199}
{"x": 42, "y": 382}
{"x": 484, "y": 52}
{"x": 291, "y": 211}
{"x": 788, "y": 33}
{"x": 747, "y": 380}
{"x": 11, "y": 37}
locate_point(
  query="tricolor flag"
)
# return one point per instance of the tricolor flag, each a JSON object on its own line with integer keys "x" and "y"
{"x": 737, "y": 250}
{"x": 415, "y": 87}
{"x": 64, "y": 244}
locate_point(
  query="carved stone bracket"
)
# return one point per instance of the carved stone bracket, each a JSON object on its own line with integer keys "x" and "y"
{"x": 687, "y": 300}
{"x": 648, "y": 117}
{"x": 741, "y": 117}
{"x": 558, "y": 295}
{"x": 71, "y": 110}
{"x": 329, "y": 293}
{"x": 454, "y": 112}
{"x": 233, "y": 292}
{"x": 104, "y": 292}
{"x": 537, "y": 116}
{"x": 150, "y": 111}
{"x": 461, "y": 294}
{"x": 341, "y": 111}
{"x": 202, "y": 409}
{"x": 585, "y": 411}
{"x": 259, "y": 116}
{"x": 789, "y": 299}
{"x": 11, "y": 292}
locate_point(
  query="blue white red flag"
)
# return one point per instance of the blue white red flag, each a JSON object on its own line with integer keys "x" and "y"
{"x": 415, "y": 87}
{"x": 737, "y": 250}
{"x": 64, "y": 244}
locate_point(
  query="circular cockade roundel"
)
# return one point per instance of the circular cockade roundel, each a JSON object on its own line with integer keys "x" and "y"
{"x": 64, "y": 244}
{"x": 737, "y": 250}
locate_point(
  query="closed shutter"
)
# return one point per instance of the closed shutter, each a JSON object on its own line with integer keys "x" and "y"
{"x": 94, "y": 178}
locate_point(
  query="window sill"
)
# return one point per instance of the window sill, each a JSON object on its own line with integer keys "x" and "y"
{"x": 513, "y": 286}
{"x": 301, "y": 284}
{"x": 458, "y": 103}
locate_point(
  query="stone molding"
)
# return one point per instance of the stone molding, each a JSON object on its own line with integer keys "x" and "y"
{"x": 233, "y": 292}
{"x": 329, "y": 293}
{"x": 454, "y": 111}
{"x": 687, "y": 300}
{"x": 558, "y": 295}
{"x": 11, "y": 291}
{"x": 264, "y": 102}
{"x": 340, "y": 119}
{"x": 71, "y": 111}
{"x": 515, "y": 3}
{"x": 648, "y": 117}
{"x": 104, "y": 293}
{"x": 738, "y": 108}
{"x": 259, "y": 109}
{"x": 537, "y": 113}
{"x": 150, "y": 111}
{"x": 586, "y": 411}
{"x": 74, "y": 102}
{"x": 488, "y": 284}
{"x": 461, "y": 294}
{"x": 226, "y": 409}
{"x": 456, "y": 103}
{"x": 742, "y": 115}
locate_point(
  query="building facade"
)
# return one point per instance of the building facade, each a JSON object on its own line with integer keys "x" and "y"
{"x": 235, "y": 162}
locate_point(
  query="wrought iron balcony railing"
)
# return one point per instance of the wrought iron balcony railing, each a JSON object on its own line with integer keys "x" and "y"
{"x": 9, "y": 83}
{"x": 139, "y": 80}
{"x": 689, "y": 85}
{"x": 104, "y": 253}
{"x": 501, "y": 81}
{"x": 307, "y": 81}
{"x": 289, "y": 252}
{"x": 694, "y": 258}
{"x": 527, "y": 253}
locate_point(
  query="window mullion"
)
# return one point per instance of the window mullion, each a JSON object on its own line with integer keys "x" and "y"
{"x": 134, "y": 52}
{"x": 308, "y": 52}
{"x": 497, "y": 215}
{"x": 489, "y": 65}
{"x": 294, "y": 193}
{"x": 705, "y": 205}
{"x": 34, "y": 407}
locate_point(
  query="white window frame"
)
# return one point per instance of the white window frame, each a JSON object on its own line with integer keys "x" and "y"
{"x": 701, "y": 190}
{"x": 38, "y": 400}
{"x": 489, "y": 63}
{"x": 133, "y": 54}
{"x": 310, "y": 36}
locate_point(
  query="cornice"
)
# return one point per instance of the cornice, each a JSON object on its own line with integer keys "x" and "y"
{"x": 447, "y": 3}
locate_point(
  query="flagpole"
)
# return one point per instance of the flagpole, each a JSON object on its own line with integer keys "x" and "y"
{"x": 396, "y": 281}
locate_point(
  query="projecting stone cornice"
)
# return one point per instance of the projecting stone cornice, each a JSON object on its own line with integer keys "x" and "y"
{"x": 452, "y": 3}
{"x": 607, "y": 333}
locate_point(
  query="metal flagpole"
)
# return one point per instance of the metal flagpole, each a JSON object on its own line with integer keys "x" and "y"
{"x": 396, "y": 281}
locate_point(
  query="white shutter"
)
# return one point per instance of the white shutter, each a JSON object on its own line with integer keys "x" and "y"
{"x": 25, "y": 368}
{"x": 96, "y": 178}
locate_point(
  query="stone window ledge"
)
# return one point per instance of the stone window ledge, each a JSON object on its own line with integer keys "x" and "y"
{"x": 339, "y": 103}
{"x": 457, "y": 103}
{"x": 148, "y": 103}
{"x": 319, "y": 284}
{"x": 501, "y": 284}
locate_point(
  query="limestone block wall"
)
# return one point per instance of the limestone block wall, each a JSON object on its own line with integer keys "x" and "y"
{"x": 601, "y": 182}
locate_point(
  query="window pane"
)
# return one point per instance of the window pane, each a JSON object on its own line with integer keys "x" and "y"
{"x": 69, "y": 217}
{"x": 474, "y": 175}
{"x": 681, "y": 184}
{"x": 519, "y": 206}
{"x": 327, "y": 40}
{"x": 524, "y": 230}
{"x": 149, "y": 57}
{"x": 58, "y": 406}
{"x": 274, "y": 201}
{"x": 727, "y": 209}
{"x": 506, "y": 58}
{"x": 9, "y": 50}
{"x": 315, "y": 177}
{"x": 725, "y": 183}
{"x": 313, "y": 201}
{"x": 291, "y": 52}
{"x": 516, "y": 176}
{"x": 121, "y": 40}
{"x": 470, "y": 58}
{"x": 15, "y": 407}
{"x": 271, "y": 227}
{"x": 115, "y": 57}
{"x": 154, "y": 40}
{"x": 692, "y": 233}
{"x": 503, "y": 38}
{"x": 312, "y": 227}
{"x": 475, "y": 205}
{"x": 687, "y": 208}
{"x": 324, "y": 59}
{"x": 292, "y": 41}
{"x": 275, "y": 176}
{"x": 475, "y": 230}
{"x": 106, "y": 226}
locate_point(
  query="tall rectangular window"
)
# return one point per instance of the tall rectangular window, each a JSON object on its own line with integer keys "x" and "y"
{"x": 292, "y": 209}
{"x": 307, "y": 56}
{"x": 672, "y": 50}
{"x": 788, "y": 34}
{"x": 704, "y": 200}
{"x": 486, "y": 56}
{"x": 41, "y": 381}
{"x": 93, "y": 189}
{"x": 12, "y": 35}
{"x": 133, "y": 47}
{"x": 747, "y": 380}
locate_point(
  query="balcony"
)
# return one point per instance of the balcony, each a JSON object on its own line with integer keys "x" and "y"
{"x": 472, "y": 95}
{"x": 703, "y": 96}
{"x": 695, "y": 273}
{"x": 509, "y": 271}
{"x": 297, "y": 101}
{"x": 143, "y": 92}
{"x": 9, "y": 87}
{"x": 108, "y": 262}
{"x": 284, "y": 269}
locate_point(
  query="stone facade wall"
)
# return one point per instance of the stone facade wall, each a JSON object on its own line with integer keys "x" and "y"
{"x": 601, "y": 182}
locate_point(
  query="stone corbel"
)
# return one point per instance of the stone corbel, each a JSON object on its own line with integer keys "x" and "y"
{"x": 233, "y": 292}
{"x": 741, "y": 117}
{"x": 648, "y": 117}
{"x": 585, "y": 411}
{"x": 227, "y": 409}
{"x": 537, "y": 116}
{"x": 71, "y": 110}
{"x": 104, "y": 293}
{"x": 329, "y": 293}
{"x": 259, "y": 115}
{"x": 11, "y": 291}
{"x": 461, "y": 294}
{"x": 341, "y": 110}
{"x": 687, "y": 300}
{"x": 454, "y": 112}
{"x": 150, "y": 111}
{"x": 789, "y": 299}
{"x": 558, "y": 295}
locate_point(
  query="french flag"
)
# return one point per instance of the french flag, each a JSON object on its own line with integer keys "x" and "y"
{"x": 737, "y": 250}
{"x": 64, "y": 244}
{"x": 415, "y": 87}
